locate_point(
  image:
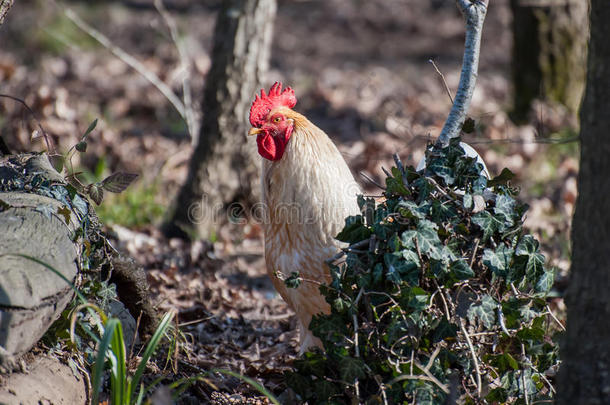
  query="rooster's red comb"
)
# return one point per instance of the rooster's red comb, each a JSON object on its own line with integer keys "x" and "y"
{"x": 266, "y": 102}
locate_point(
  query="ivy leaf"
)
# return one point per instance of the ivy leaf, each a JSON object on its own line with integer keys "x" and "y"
{"x": 502, "y": 179}
{"x": 505, "y": 209}
{"x": 351, "y": 368}
{"x": 461, "y": 270}
{"x": 485, "y": 311}
{"x": 487, "y": 222}
{"x": 545, "y": 282}
{"x": 354, "y": 230}
{"x": 498, "y": 261}
{"x": 503, "y": 362}
{"x": 427, "y": 239}
{"x": 65, "y": 212}
{"x": 294, "y": 280}
{"x": 529, "y": 258}
{"x": 444, "y": 330}
{"x": 394, "y": 185}
{"x": 117, "y": 182}
{"x": 399, "y": 270}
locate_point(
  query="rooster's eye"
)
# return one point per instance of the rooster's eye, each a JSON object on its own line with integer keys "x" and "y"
{"x": 277, "y": 119}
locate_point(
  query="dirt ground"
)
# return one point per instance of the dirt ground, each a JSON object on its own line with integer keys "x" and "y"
{"x": 361, "y": 72}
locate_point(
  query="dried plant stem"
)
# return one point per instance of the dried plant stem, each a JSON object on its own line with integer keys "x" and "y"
{"x": 474, "y": 13}
{"x": 442, "y": 78}
{"x": 563, "y": 328}
{"x": 474, "y": 356}
{"x": 129, "y": 60}
{"x": 185, "y": 65}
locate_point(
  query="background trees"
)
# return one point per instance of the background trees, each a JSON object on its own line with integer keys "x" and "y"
{"x": 584, "y": 376}
{"x": 224, "y": 167}
{"x": 549, "y": 53}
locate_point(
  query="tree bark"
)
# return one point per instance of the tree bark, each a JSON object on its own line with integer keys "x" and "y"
{"x": 549, "y": 53}
{"x": 5, "y": 6}
{"x": 224, "y": 167}
{"x": 584, "y": 377}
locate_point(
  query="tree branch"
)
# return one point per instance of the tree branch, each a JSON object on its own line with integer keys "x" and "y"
{"x": 474, "y": 12}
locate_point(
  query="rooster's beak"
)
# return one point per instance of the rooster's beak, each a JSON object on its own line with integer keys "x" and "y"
{"x": 254, "y": 131}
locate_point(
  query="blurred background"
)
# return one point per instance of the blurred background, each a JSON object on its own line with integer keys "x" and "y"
{"x": 361, "y": 70}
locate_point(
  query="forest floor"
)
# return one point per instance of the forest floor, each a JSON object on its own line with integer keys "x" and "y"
{"x": 361, "y": 71}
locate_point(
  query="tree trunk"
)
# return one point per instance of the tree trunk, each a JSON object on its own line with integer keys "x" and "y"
{"x": 584, "y": 377}
{"x": 224, "y": 167}
{"x": 5, "y": 5}
{"x": 549, "y": 53}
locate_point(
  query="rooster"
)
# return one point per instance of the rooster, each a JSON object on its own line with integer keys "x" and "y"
{"x": 308, "y": 191}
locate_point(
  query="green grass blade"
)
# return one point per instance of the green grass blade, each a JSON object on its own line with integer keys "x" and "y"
{"x": 150, "y": 349}
{"x": 98, "y": 366}
{"x": 259, "y": 387}
{"x": 53, "y": 269}
{"x": 121, "y": 386}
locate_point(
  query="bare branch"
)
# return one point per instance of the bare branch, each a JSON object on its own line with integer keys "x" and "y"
{"x": 474, "y": 12}
{"x": 185, "y": 66}
{"x": 129, "y": 60}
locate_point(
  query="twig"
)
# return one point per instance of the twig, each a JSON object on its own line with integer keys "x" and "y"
{"x": 432, "y": 357}
{"x": 351, "y": 247}
{"x": 428, "y": 377}
{"x": 563, "y": 328}
{"x": 474, "y": 13}
{"x": 185, "y": 66}
{"x": 523, "y": 381}
{"x": 370, "y": 179}
{"x": 442, "y": 78}
{"x": 474, "y": 356}
{"x": 27, "y": 107}
{"x": 474, "y": 252}
{"x": 129, "y": 60}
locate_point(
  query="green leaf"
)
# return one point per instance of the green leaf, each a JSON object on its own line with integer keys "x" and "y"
{"x": 505, "y": 209}
{"x": 545, "y": 282}
{"x": 487, "y": 222}
{"x": 399, "y": 269}
{"x": 485, "y": 311}
{"x": 529, "y": 259}
{"x": 498, "y": 261}
{"x": 294, "y": 280}
{"x": 117, "y": 182}
{"x": 503, "y": 362}
{"x": 427, "y": 239}
{"x": 461, "y": 270}
{"x": 351, "y": 368}
{"x": 81, "y": 146}
{"x": 354, "y": 230}
{"x": 444, "y": 330}
{"x": 502, "y": 179}
{"x": 90, "y": 128}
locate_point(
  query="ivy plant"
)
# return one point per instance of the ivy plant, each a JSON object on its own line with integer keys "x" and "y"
{"x": 441, "y": 295}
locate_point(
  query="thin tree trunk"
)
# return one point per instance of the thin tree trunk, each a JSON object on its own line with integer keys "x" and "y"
{"x": 5, "y": 5}
{"x": 584, "y": 377}
{"x": 224, "y": 167}
{"x": 549, "y": 53}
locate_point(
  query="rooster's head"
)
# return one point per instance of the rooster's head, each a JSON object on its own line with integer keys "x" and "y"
{"x": 271, "y": 121}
